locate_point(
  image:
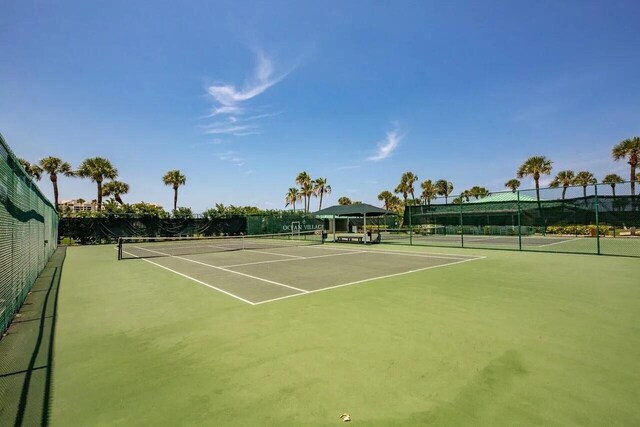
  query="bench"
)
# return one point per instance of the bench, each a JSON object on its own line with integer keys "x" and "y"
{"x": 344, "y": 238}
{"x": 356, "y": 237}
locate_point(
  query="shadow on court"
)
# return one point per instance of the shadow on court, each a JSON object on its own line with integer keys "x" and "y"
{"x": 26, "y": 352}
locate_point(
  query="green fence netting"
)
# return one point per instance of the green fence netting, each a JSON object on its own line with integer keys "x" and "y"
{"x": 28, "y": 233}
{"x": 593, "y": 219}
{"x": 282, "y": 223}
{"x": 108, "y": 229}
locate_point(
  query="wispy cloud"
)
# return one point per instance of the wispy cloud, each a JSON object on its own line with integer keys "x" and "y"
{"x": 214, "y": 141}
{"x": 229, "y": 96}
{"x": 229, "y": 101}
{"x": 235, "y": 159}
{"x": 225, "y": 128}
{"x": 388, "y": 146}
{"x": 342, "y": 168}
{"x": 232, "y": 114}
{"x": 225, "y": 109}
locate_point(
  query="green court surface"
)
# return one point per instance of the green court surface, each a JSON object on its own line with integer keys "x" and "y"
{"x": 393, "y": 335}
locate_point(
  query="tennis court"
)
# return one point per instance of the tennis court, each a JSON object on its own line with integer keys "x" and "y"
{"x": 529, "y": 241}
{"x": 259, "y": 270}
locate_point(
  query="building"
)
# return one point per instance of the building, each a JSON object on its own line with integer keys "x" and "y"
{"x": 79, "y": 205}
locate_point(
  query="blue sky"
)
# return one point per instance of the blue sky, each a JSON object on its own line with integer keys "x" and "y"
{"x": 241, "y": 96}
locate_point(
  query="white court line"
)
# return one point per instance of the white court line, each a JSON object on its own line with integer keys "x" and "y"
{"x": 367, "y": 280}
{"x": 407, "y": 253}
{"x": 286, "y": 260}
{"x": 557, "y": 243}
{"x": 476, "y": 238}
{"x": 195, "y": 280}
{"x": 301, "y": 291}
{"x": 224, "y": 269}
{"x": 412, "y": 253}
{"x": 274, "y": 253}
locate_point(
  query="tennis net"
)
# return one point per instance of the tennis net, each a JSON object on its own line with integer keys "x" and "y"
{"x": 152, "y": 247}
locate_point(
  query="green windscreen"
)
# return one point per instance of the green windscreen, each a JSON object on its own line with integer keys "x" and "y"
{"x": 28, "y": 233}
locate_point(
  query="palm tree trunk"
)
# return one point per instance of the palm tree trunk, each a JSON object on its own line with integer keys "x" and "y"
{"x": 118, "y": 198}
{"x": 584, "y": 191}
{"x": 99, "y": 195}
{"x": 320, "y": 206}
{"x": 294, "y": 206}
{"x": 175, "y": 197}
{"x": 54, "y": 181}
{"x": 564, "y": 191}
{"x": 633, "y": 180}
{"x": 613, "y": 189}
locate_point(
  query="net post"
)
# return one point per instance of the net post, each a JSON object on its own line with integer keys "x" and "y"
{"x": 119, "y": 248}
{"x": 519, "y": 222}
{"x": 595, "y": 186}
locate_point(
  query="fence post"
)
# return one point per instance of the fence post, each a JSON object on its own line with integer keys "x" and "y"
{"x": 461, "y": 227}
{"x": 410, "y": 226}
{"x": 519, "y": 224}
{"x": 597, "y": 218}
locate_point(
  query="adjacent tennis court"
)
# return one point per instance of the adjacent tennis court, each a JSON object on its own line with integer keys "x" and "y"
{"x": 261, "y": 269}
{"x": 527, "y": 241}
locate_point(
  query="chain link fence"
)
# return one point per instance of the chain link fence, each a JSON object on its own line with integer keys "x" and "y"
{"x": 601, "y": 219}
{"x": 28, "y": 233}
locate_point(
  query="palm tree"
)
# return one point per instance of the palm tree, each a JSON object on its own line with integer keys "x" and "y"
{"x": 460, "y": 199}
{"x": 97, "y": 169}
{"x": 54, "y": 166}
{"x": 175, "y": 179}
{"x": 291, "y": 197}
{"x": 410, "y": 178}
{"x": 585, "y": 178}
{"x": 306, "y": 188}
{"x": 565, "y": 178}
{"x": 512, "y": 184}
{"x": 320, "y": 187}
{"x": 464, "y": 196}
{"x": 613, "y": 179}
{"x": 402, "y": 189}
{"x": 115, "y": 189}
{"x": 629, "y": 149}
{"x": 478, "y": 192}
{"x": 535, "y": 166}
{"x": 32, "y": 169}
{"x": 429, "y": 191}
{"x": 444, "y": 188}
{"x": 395, "y": 204}
{"x": 386, "y": 197}
{"x": 344, "y": 201}
{"x": 405, "y": 187}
